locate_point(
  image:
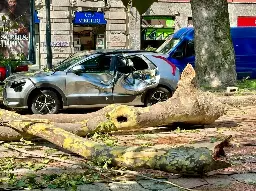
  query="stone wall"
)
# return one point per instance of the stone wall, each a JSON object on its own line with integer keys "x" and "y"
{"x": 240, "y": 9}
{"x": 117, "y": 20}
{"x": 61, "y": 30}
{"x": 62, "y": 12}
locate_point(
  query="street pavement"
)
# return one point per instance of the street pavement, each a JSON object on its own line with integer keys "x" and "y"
{"x": 209, "y": 183}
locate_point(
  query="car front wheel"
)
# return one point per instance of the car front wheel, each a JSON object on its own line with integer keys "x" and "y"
{"x": 158, "y": 94}
{"x": 45, "y": 102}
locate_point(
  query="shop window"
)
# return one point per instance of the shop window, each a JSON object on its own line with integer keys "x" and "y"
{"x": 97, "y": 65}
{"x": 155, "y": 30}
{"x": 190, "y": 22}
{"x": 89, "y": 37}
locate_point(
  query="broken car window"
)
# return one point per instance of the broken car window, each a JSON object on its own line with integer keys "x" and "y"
{"x": 139, "y": 63}
{"x": 97, "y": 65}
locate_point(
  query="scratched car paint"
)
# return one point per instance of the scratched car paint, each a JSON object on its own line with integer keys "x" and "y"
{"x": 100, "y": 77}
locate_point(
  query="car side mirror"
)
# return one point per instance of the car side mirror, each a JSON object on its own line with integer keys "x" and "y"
{"x": 78, "y": 69}
{"x": 178, "y": 54}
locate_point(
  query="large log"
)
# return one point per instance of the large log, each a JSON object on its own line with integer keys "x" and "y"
{"x": 188, "y": 105}
{"x": 182, "y": 160}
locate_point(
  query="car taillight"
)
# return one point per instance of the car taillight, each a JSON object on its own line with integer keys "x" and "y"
{"x": 22, "y": 68}
{"x": 3, "y": 73}
{"x": 170, "y": 63}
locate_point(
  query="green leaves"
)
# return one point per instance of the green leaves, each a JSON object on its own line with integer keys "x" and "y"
{"x": 141, "y": 5}
{"x": 7, "y": 164}
{"x": 12, "y": 61}
{"x": 105, "y": 138}
{"x": 4, "y": 18}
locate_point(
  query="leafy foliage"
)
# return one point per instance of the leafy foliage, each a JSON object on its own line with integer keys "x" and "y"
{"x": 141, "y": 6}
{"x": 11, "y": 61}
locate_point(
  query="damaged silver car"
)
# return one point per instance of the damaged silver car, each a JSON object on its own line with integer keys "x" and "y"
{"x": 103, "y": 77}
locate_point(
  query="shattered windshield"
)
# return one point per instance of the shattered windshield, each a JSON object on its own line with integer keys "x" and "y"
{"x": 168, "y": 45}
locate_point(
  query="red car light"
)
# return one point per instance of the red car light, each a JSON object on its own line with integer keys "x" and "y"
{"x": 2, "y": 73}
{"x": 170, "y": 63}
{"x": 22, "y": 68}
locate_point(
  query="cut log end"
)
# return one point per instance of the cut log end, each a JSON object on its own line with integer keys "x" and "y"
{"x": 122, "y": 116}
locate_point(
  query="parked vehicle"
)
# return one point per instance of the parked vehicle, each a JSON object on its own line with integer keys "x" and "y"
{"x": 180, "y": 48}
{"x": 103, "y": 77}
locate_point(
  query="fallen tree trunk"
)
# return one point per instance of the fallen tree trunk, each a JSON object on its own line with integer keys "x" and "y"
{"x": 182, "y": 160}
{"x": 229, "y": 101}
{"x": 188, "y": 105}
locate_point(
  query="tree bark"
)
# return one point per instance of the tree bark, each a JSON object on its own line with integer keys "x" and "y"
{"x": 188, "y": 105}
{"x": 215, "y": 58}
{"x": 182, "y": 160}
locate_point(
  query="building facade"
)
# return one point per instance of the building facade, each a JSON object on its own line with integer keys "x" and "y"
{"x": 78, "y": 25}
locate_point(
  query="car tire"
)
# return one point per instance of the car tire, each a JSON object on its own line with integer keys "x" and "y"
{"x": 45, "y": 102}
{"x": 156, "y": 95}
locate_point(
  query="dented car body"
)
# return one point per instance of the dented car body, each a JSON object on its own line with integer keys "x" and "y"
{"x": 106, "y": 77}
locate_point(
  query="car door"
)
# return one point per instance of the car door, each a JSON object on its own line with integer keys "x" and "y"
{"x": 184, "y": 54}
{"x": 245, "y": 54}
{"x": 134, "y": 75}
{"x": 93, "y": 84}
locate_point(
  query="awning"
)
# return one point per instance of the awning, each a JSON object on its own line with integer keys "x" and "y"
{"x": 89, "y": 18}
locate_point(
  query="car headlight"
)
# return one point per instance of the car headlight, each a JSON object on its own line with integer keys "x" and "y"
{"x": 17, "y": 85}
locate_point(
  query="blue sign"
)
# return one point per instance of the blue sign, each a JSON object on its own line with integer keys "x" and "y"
{"x": 36, "y": 19}
{"x": 88, "y": 18}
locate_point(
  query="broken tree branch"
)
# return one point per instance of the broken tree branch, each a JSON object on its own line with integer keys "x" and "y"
{"x": 92, "y": 167}
{"x": 182, "y": 160}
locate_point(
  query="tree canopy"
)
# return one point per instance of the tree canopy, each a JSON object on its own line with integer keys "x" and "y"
{"x": 141, "y": 5}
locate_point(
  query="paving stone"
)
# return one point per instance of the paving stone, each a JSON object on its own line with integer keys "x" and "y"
{"x": 93, "y": 187}
{"x": 219, "y": 180}
{"x": 249, "y": 178}
{"x": 172, "y": 189}
{"x": 126, "y": 186}
{"x": 154, "y": 185}
{"x": 189, "y": 182}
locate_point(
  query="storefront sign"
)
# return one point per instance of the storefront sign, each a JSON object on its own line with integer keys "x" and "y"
{"x": 57, "y": 44}
{"x": 36, "y": 19}
{"x": 88, "y": 18}
{"x": 246, "y": 21}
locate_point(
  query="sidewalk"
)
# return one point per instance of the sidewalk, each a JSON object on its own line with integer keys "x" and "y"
{"x": 219, "y": 182}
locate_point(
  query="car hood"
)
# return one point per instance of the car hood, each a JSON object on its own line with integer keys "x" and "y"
{"x": 26, "y": 75}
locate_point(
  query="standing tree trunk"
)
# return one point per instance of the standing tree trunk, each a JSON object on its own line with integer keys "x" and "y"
{"x": 215, "y": 59}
